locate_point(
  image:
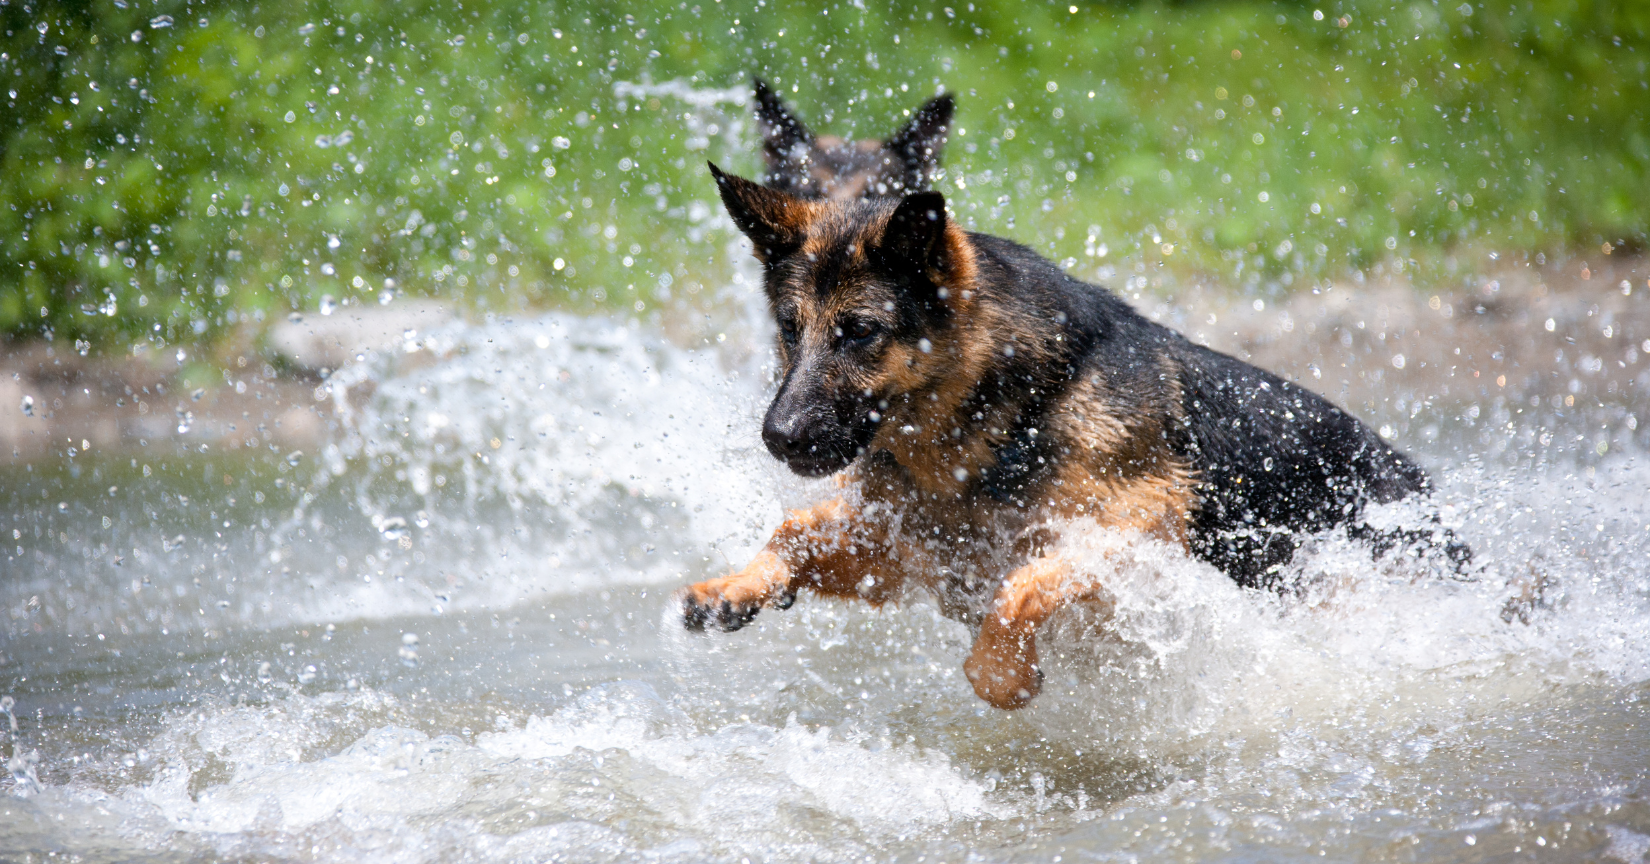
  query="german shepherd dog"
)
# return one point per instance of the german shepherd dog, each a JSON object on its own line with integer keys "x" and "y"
{"x": 980, "y": 398}
{"x": 816, "y": 167}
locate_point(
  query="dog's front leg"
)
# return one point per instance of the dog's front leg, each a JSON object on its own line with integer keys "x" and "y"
{"x": 1003, "y": 665}
{"x": 828, "y": 548}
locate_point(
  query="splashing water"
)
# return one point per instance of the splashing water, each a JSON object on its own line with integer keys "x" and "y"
{"x": 454, "y": 639}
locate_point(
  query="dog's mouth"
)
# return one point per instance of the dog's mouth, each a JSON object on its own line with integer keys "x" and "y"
{"x": 814, "y": 466}
{"x": 821, "y": 454}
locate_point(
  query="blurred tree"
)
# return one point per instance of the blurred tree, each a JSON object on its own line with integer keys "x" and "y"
{"x": 170, "y": 170}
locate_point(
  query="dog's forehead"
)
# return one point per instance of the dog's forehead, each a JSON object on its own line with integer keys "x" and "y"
{"x": 833, "y": 260}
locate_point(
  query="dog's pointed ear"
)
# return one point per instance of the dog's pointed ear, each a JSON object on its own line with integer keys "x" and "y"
{"x": 785, "y": 141}
{"x": 913, "y": 245}
{"x": 920, "y": 140}
{"x": 774, "y": 222}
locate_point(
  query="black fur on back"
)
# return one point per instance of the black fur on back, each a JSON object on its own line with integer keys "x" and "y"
{"x": 1273, "y": 460}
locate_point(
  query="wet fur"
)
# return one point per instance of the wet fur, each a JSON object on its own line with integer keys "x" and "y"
{"x": 811, "y": 166}
{"x": 978, "y": 397}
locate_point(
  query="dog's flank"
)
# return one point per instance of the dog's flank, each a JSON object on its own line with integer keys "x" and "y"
{"x": 826, "y": 167}
{"x": 978, "y": 396}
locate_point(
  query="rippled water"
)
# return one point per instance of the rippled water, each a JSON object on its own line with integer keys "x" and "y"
{"x": 447, "y": 636}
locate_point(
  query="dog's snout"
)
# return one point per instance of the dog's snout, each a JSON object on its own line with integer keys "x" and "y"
{"x": 804, "y": 434}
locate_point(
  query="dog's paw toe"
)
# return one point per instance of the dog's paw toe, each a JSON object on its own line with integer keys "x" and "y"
{"x": 716, "y": 612}
{"x": 693, "y": 614}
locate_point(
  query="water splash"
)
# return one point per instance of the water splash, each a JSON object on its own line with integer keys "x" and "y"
{"x": 550, "y": 454}
{"x": 22, "y": 764}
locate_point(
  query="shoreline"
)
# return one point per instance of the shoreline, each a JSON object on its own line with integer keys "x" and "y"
{"x": 1491, "y": 341}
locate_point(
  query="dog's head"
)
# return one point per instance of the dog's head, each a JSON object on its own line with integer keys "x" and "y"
{"x": 866, "y": 297}
{"x": 825, "y": 167}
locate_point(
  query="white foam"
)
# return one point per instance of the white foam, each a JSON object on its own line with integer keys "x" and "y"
{"x": 1184, "y": 658}
{"x": 247, "y": 780}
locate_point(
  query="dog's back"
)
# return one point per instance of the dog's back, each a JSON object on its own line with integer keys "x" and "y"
{"x": 1276, "y": 461}
{"x": 1273, "y": 462}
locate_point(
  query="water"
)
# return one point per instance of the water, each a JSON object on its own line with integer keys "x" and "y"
{"x": 446, "y": 634}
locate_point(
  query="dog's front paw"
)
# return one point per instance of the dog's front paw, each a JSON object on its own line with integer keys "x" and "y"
{"x": 725, "y": 604}
{"x": 1004, "y": 672}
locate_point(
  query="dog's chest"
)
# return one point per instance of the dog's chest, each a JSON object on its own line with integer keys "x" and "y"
{"x": 966, "y": 545}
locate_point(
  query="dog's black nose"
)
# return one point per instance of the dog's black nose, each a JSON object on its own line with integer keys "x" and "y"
{"x": 787, "y": 436}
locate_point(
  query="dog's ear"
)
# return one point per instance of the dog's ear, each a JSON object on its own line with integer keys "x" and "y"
{"x": 775, "y": 222}
{"x": 919, "y": 141}
{"x": 913, "y": 245}
{"x": 785, "y": 141}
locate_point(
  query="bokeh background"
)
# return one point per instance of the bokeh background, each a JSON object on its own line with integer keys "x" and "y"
{"x": 187, "y": 171}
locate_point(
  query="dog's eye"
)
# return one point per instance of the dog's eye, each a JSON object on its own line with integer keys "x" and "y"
{"x": 858, "y": 330}
{"x": 787, "y": 331}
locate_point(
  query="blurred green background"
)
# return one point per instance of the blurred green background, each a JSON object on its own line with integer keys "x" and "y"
{"x": 173, "y": 170}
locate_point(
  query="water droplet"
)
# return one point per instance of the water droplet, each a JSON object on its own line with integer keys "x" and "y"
{"x": 392, "y": 528}
{"x": 307, "y": 675}
{"x": 28, "y": 406}
{"x": 264, "y": 675}
{"x": 294, "y": 457}
{"x": 199, "y": 392}
{"x": 328, "y": 305}
{"x": 409, "y": 649}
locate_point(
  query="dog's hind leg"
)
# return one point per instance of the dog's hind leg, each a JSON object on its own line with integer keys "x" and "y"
{"x": 1537, "y": 591}
{"x": 1431, "y": 542}
{"x": 828, "y": 549}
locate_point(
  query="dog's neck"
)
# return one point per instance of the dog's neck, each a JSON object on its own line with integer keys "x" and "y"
{"x": 975, "y": 429}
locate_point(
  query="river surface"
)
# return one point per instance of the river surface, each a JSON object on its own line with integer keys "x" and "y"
{"x": 446, "y": 634}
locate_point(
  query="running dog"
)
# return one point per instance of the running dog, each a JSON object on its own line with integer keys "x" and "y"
{"x": 816, "y": 167}
{"x": 979, "y": 398}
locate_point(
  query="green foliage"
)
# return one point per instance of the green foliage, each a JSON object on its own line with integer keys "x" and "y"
{"x": 170, "y": 169}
